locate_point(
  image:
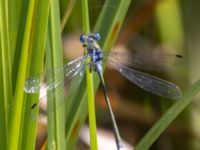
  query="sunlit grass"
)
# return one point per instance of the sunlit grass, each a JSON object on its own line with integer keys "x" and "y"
{"x": 27, "y": 30}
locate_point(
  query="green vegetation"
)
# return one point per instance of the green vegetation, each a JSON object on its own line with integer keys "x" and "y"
{"x": 31, "y": 43}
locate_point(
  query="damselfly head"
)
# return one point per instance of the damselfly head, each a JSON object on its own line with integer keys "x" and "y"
{"x": 90, "y": 39}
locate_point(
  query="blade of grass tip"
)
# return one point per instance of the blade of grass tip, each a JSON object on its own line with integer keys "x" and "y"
{"x": 35, "y": 66}
{"x": 56, "y": 111}
{"x": 109, "y": 31}
{"x": 19, "y": 101}
{"x": 168, "y": 117}
{"x": 89, "y": 79}
{"x": 67, "y": 13}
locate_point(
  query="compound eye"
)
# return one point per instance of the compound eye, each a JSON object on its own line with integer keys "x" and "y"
{"x": 97, "y": 36}
{"x": 83, "y": 38}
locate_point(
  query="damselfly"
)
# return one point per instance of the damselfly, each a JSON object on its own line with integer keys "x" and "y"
{"x": 74, "y": 70}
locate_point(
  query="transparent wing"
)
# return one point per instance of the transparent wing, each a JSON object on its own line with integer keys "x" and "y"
{"x": 66, "y": 92}
{"x": 68, "y": 85}
{"x": 34, "y": 84}
{"x": 69, "y": 71}
{"x": 73, "y": 73}
{"x": 144, "y": 61}
{"x": 148, "y": 82}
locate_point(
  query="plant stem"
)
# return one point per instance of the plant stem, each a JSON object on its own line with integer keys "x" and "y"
{"x": 55, "y": 107}
{"x": 67, "y": 13}
{"x": 89, "y": 78}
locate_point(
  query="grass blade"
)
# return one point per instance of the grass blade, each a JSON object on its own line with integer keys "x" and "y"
{"x": 5, "y": 61}
{"x": 168, "y": 117}
{"x": 3, "y": 117}
{"x": 89, "y": 79}
{"x": 5, "y": 74}
{"x": 15, "y": 9}
{"x": 56, "y": 119}
{"x": 30, "y": 46}
{"x": 16, "y": 118}
{"x": 67, "y": 12}
{"x": 17, "y": 52}
{"x": 35, "y": 67}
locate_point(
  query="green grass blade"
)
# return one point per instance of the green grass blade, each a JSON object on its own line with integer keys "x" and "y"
{"x": 5, "y": 60}
{"x": 29, "y": 50}
{"x": 14, "y": 21}
{"x": 89, "y": 79}
{"x": 168, "y": 117}
{"x": 85, "y": 17}
{"x": 5, "y": 74}
{"x": 19, "y": 41}
{"x": 16, "y": 118}
{"x": 3, "y": 128}
{"x": 56, "y": 111}
{"x": 35, "y": 67}
{"x": 68, "y": 10}
{"x": 113, "y": 19}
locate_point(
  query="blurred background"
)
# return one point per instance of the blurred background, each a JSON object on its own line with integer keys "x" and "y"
{"x": 152, "y": 27}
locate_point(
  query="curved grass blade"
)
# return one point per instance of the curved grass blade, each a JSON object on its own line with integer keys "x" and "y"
{"x": 168, "y": 117}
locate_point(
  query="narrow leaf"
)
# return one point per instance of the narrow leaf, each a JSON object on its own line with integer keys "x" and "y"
{"x": 56, "y": 119}
{"x": 168, "y": 117}
{"x": 89, "y": 79}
